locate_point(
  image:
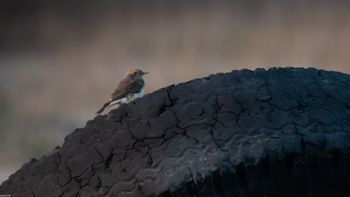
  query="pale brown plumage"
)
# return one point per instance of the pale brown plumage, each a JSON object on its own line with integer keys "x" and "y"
{"x": 128, "y": 89}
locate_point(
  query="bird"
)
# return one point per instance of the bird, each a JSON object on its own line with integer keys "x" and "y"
{"x": 131, "y": 87}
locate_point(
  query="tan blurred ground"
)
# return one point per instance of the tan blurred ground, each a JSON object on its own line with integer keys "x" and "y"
{"x": 59, "y": 62}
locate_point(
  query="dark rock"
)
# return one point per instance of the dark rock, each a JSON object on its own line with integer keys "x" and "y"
{"x": 276, "y": 132}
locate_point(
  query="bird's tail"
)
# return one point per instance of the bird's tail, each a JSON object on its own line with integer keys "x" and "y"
{"x": 103, "y": 107}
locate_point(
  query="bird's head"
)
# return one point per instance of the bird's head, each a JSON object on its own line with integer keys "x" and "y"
{"x": 135, "y": 73}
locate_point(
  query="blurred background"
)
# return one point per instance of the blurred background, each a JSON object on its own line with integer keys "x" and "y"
{"x": 60, "y": 60}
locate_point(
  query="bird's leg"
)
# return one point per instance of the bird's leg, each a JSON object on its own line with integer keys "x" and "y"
{"x": 129, "y": 98}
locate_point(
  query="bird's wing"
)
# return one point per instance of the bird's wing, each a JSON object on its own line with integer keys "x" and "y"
{"x": 125, "y": 87}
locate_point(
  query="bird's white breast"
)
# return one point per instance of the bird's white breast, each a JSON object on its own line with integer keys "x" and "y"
{"x": 139, "y": 94}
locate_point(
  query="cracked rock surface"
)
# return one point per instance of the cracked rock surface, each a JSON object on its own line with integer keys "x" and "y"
{"x": 276, "y": 132}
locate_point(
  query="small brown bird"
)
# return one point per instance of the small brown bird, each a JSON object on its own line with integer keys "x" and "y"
{"x": 129, "y": 88}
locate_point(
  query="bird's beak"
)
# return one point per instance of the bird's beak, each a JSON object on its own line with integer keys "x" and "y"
{"x": 145, "y": 73}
